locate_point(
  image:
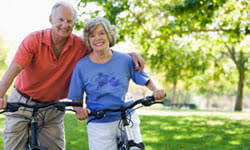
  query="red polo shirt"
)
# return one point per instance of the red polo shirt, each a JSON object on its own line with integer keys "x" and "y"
{"x": 45, "y": 77}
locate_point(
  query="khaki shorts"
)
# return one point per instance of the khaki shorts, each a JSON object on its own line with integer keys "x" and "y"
{"x": 50, "y": 122}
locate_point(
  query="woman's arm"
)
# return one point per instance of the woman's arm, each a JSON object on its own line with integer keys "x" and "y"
{"x": 157, "y": 92}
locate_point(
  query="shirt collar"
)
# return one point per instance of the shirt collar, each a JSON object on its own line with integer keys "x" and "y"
{"x": 47, "y": 38}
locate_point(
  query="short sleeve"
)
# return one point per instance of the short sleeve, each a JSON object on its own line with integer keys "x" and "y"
{"x": 26, "y": 50}
{"x": 140, "y": 78}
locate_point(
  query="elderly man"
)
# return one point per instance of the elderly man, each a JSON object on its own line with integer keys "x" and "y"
{"x": 43, "y": 66}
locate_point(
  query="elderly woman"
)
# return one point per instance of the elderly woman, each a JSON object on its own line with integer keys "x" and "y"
{"x": 104, "y": 75}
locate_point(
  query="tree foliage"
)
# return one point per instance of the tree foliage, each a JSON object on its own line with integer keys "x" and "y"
{"x": 202, "y": 43}
{"x": 3, "y": 54}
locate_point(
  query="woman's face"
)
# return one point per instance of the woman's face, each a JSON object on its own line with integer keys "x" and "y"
{"x": 98, "y": 39}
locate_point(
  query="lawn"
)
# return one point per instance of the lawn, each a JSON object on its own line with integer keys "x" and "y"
{"x": 192, "y": 132}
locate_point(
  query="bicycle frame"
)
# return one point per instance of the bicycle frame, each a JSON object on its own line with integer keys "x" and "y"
{"x": 127, "y": 139}
{"x": 33, "y": 138}
{"x": 33, "y": 132}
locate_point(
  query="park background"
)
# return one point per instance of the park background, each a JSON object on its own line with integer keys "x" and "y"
{"x": 197, "y": 50}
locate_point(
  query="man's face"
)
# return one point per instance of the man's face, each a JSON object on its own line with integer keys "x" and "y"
{"x": 62, "y": 21}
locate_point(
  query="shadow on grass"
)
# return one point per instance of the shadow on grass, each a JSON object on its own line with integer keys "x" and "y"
{"x": 172, "y": 133}
{"x": 195, "y": 133}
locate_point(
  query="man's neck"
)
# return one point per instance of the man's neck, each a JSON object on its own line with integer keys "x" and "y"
{"x": 57, "y": 44}
{"x": 58, "y": 40}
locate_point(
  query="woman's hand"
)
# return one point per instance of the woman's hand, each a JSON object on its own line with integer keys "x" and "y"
{"x": 159, "y": 94}
{"x": 82, "y": 113}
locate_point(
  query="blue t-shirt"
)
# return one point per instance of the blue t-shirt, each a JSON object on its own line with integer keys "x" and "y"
{"x": 105, "y": 84}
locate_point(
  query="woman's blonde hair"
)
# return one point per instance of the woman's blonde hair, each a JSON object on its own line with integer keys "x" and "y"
{"x": 111, "y": 30}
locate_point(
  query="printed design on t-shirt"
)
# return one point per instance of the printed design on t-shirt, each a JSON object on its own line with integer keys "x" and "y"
{"x": 105, "y": 79}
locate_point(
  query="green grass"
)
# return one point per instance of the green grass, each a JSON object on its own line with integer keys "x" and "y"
{"x": 173, "y": 133}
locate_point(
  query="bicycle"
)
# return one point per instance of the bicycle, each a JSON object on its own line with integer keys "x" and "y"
{"x": 125, "y": 140}
{"x": 33, "y": 139}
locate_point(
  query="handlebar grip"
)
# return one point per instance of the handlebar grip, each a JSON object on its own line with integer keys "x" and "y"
{"x": 12, "y": 107}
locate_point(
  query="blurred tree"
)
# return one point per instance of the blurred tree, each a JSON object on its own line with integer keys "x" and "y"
{"x": 3, "y": 55}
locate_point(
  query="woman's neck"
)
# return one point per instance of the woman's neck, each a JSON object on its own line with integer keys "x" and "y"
{"x": 101, "y": 57}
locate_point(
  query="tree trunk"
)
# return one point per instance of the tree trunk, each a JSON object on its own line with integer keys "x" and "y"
{"x": 239, "y": 97}
{"x": 239, "y": 62}
{"x": 173, "y": 99}
{"x": 209, "y": 94}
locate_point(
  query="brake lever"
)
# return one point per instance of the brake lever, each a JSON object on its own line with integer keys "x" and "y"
{"x": 147, "y": 103}
{"x": 71, "y": 110}
{"x": 60, "y": 106}
{"x": 99, "y": 114}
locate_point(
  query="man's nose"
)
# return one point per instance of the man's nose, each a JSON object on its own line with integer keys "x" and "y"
{"x": 65, "y": 24}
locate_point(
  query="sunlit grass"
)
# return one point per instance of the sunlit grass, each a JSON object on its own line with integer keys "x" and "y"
{"x": 173, "y": 133}
{"x": 1, "y": 130}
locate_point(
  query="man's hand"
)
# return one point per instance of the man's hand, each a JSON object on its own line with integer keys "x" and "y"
{"x": 138, "y": 60}
{"x": 82, "y": 113}
{"x": 3, "y": 103}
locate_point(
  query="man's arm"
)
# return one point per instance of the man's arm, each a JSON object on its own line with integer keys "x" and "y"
{"x": 138, "y": 60}
{"x": 7, "y": 80}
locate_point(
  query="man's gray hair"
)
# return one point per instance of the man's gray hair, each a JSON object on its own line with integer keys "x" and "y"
{"x": 111, "y": 30}
{"x": 65, "y": 4}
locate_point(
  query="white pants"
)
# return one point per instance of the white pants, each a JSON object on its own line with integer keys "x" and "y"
{"x": 103, "y": 136}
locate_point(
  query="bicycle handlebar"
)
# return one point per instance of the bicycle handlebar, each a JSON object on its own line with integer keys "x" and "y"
{"x": 12, "y": 107}
{"x": 147, "y": 101}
